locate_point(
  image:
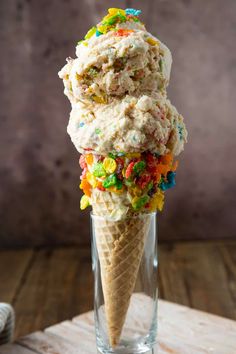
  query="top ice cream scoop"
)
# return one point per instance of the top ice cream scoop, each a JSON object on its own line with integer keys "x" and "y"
{"x": 125, "y": 59}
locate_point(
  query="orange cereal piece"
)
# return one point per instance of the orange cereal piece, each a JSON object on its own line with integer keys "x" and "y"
{"x": 86, "y": 187}
{"x": 89, "y": 159}
{"x": 163, "y": 169}
{"x": 167, "y": 159}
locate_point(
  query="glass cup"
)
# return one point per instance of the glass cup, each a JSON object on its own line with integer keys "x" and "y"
{"x": 124, "y": 258}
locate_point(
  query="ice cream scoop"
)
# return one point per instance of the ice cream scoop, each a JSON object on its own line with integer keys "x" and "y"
{"x": 126, "y": 59}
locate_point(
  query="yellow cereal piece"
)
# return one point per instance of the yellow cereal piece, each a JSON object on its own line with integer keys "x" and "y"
{"x": 91, "y": 179}
{"x": 157, "y": 202}
{"x": 137, "y": 191}
{"x": 89, "y": 159}
{"x": 109, "y": 165}
{"x": 103, "y": 28}
{"x": 152, "y": 41}
{"x": 84, "y": 202}
{"x": 133, "y": 155}
{"x": 113, "y": 11}
{"x": 98, "y": 99}
{"x": 113, "y": 189}
{"x": 78, "y": 77}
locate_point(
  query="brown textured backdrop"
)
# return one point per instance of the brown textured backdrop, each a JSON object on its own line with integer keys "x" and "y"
{"x": 39, "y": 196}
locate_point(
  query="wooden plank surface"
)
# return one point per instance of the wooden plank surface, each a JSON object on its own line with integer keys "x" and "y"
{"x": 199, "y": 274}
{"x": 44, "y": 343}
{"x": 13, "y": 270}
{"x": 53, "y": 290}
{"x": 181, "y": 331}
{"x": 15, "y": 349}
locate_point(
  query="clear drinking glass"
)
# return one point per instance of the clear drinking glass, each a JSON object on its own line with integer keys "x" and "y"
{"x": 124, "y": 258}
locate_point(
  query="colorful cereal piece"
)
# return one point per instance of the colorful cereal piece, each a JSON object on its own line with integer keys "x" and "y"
{"x": 163, "y": 169}
{"x": 91, "y": 179}
{"x": 109, "y": 165}
{"x": 129, "y": 169}
{"x": 114, "y": 11}
{"x": 100, "y": 186}
{"x": 98, "y": 33}
{"x": 137, "y": 191}
{"x": 167, "y": 159}
{"x": 98, "y": 170}
{"x": 133, "y": 155}
{"x": 139, "y": 202}
{"x": 157, "y": 201}
{"x": 133, "y": 12}
{"x": 84, "y": 202}
{"x": 83, "y": 175}
{"x": 89, "y": 159}
{"x": 123, "y": 32}
{"x": 151, "y": 41}
{"x": 110, "y": 181}
{"x": 170, "y": 181}
{"x": 90, "y": 33}
{"x": 82, "y": 162}
{"x": 86, "y": 187}
{"x": 139, "y": 167}
{"x": 116, "y": 189}
{"x": 143, "y": 180}
{"x": 98, "y": 99}
{"x": 119, "y": 184}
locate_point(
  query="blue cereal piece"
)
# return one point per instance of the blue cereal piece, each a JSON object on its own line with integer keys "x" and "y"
{"x": 170, "y": 181}
{"x": 98, "y": 33}
{"x": 133, "y": 12}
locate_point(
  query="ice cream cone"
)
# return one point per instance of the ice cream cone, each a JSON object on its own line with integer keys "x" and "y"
{"x": 120, "y": 247}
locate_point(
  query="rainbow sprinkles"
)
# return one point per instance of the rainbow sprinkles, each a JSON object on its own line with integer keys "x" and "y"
{"x": 110, "y": 21}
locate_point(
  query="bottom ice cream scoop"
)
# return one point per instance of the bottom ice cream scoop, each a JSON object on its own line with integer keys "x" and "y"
{"x": 133, "y": 124}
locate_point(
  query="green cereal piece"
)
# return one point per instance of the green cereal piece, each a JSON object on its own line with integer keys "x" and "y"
{"x": 110, "y": 181}
{"x": 138, "y": 203}
{"x": 150, "y": 185}
{"x": 90, "y": 33}
{"x": 98, "y": 170}
{"x": 119, "y": 184}
{"x": 139, "y": 167}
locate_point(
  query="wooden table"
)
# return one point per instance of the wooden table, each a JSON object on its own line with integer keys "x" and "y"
{"x": 181, "y": 331}
{"x": 201, "y": 275}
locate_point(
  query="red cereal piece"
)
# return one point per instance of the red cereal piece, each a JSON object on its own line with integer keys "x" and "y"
{"x": 123, "y": 32}
{"x": 129, "y": 169}
{"x": 82, "y": 162}
{"x": 143, "y": 180}
{"x": 83, "y": 175}
{"x": 100, "y": 187}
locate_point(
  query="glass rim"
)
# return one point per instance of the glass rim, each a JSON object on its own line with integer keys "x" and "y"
{"x": 135, "y": 216}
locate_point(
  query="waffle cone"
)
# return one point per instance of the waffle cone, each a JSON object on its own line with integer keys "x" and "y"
{"x": 120, "y": 247}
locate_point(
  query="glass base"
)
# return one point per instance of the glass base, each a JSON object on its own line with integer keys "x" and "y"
{"x": 152, "y": 351}
{"x": 139, "y": 347}
{"x": 124, "y": 351}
